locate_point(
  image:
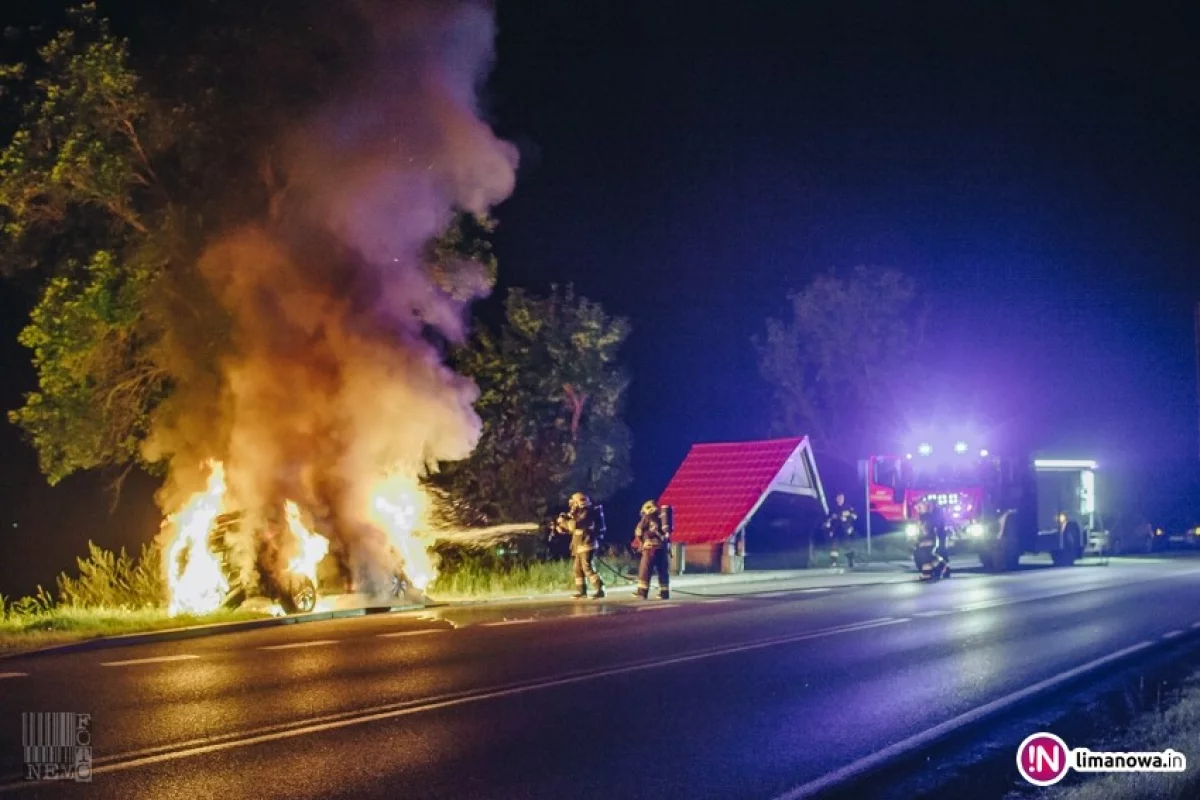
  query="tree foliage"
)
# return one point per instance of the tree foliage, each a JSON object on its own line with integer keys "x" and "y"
{"x": 120, "y": 167}
{"x": 838, "y": 364}
{"x": 80, "y": 202}
{"x": 551, "y": 403}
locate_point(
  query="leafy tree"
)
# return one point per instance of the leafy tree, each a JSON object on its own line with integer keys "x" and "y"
{"x": 81, "y": 202}
{"x": 551, "y": 403}
{"x": 111, "y": 183}
{"x": 839, "y": 363}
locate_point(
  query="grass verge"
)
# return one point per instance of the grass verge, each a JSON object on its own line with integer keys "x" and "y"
{"x": 471, "y": 581}
{"x": 1176, "y": 727}
{"x": 64, "y": 624}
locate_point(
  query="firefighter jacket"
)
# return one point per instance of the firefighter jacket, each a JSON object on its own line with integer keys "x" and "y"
{"x": 585, "y": 530}
{"x": 841, "y": 521}
{"x": 650, "y": 533}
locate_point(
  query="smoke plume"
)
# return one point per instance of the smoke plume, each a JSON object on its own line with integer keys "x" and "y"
{"x": 333, "y": 375}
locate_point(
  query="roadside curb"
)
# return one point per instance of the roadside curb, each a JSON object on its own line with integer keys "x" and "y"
{"x": 686, "y": 586}
{"x": 199, "y": 631}
{"x": 887, "y": 576}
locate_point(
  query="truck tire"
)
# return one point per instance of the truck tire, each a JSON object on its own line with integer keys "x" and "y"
{"x": 1008, "y": 546}
{"x": 1071, "y": 546}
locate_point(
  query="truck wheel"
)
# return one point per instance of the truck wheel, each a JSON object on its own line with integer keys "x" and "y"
{"x": 1070, "y": 549}
{"x": 1009, "y": 547}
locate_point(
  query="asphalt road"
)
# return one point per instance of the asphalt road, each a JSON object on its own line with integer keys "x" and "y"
{"x": 742, "y": 694}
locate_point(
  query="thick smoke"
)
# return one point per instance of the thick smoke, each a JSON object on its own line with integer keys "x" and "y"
{"x": 335, "y": 375}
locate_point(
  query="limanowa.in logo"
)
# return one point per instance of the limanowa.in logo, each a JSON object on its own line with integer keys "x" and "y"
{"x": 1043, "y": 759}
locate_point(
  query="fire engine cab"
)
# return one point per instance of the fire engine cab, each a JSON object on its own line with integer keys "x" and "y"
{"x": 997, "y": 507}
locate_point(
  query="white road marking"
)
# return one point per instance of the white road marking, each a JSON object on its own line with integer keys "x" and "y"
{"x": 935, "y": 613}
{"x": 294, "y": 645}
{"x": 721, "y": 600}
{"x": 1172, "y": 634}
{"x": 329, "y": 722}
{"x": 507, "y": 622}
{"x": 658, "y": 606}
{"x": 157, "y": 660}
{"x": 937, "y": 732}
{"x": 396, "y": 634}
{"x": 818, "y": 589}
{"x": 4, "y": 675}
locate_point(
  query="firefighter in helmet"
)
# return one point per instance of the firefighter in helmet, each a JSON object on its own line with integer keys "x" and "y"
{"x": 839, "y": 526}
{"x": 651, "y": 538}
{"x": 583, "y": 523}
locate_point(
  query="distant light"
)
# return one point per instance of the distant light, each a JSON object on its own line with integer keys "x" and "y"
{"x": 908, "y": 456}
{"x": 983, "y": 453}
{"x": 911, "y": 530}
{"x": 960, "y": 447}
{"x": 1064, "y": 463}
{"x": 975, "y": 530}
{"x": 924, "y": 449}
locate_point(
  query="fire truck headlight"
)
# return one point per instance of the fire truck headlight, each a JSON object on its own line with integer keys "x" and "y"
{"x": 911, "y": 530}
{"x": 975, "y": 530}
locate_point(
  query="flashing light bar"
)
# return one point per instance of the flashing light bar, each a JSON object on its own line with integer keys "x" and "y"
{"x": 1064, "y": 463}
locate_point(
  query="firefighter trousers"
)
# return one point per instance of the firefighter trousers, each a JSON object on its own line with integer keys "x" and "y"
{"x": 585, "y": 570}
{"x": 654, "y": 560}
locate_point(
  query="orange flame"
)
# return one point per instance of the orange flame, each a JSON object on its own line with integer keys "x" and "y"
{"x": 194, "y": 577}
{"x": 400, "y": 507}
{"x": 313, "y": 546}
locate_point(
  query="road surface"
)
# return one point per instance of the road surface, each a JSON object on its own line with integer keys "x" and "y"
{"x": 745, "y": 692}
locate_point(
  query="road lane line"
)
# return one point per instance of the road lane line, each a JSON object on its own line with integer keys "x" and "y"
{"x": 215, "y": 744}
{"x": 156, "y": 660}
{"x": 396, "y": 634}
{"x": 937, "y": 732}
{"x": 294, "y": 645}
{"x": 1172, "y": 634}
{"x": 937, "y": 613}
{"x": 4, "y": 675}
{"x": 658, "y": 606}
{"x": 815, "y": 590}
{"x": 720, "y": 600}
{"x": 508, "y": 622}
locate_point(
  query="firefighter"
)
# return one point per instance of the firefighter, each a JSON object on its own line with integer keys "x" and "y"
{"x": 840, "y": 527}
{"x": 934, "y": 516}
{"x": 582, "y": 522}
{"x": 651, "y": 538}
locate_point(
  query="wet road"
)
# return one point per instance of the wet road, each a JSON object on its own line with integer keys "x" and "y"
{"x": 745, "y": 692}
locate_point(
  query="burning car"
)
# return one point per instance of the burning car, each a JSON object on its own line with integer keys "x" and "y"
{"x": 295, "y": 591}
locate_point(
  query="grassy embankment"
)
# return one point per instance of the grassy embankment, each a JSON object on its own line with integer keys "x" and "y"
{"x": 1175, "y": 727}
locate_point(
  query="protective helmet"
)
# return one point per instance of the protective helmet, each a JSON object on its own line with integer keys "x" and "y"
{"x": 578, "y": 500}
{"x": 649, "y": 507}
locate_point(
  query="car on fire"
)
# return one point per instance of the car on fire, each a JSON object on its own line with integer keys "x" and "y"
{"x": 294, "y": 593}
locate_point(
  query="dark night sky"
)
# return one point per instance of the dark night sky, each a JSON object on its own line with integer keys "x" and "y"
{"x": 1032, "y": 165}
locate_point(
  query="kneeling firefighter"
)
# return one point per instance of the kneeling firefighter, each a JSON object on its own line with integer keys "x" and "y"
{"x": 652, "y": 538}
{"x": 585, "y": 524}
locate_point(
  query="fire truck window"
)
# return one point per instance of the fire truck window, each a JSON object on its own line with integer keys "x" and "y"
{"x": 887, "y": 472}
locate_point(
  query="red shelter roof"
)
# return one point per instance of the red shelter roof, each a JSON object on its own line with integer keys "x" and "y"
{"x": 718, "y": 486}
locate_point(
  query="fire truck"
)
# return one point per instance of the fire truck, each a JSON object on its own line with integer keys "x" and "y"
{"x": 999, "y": 507}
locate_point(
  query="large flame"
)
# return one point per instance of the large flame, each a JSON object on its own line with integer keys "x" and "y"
{"x": 400, "y": 507}
{"x": 312, "y": 547}
{"x": 194, "y": 576}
